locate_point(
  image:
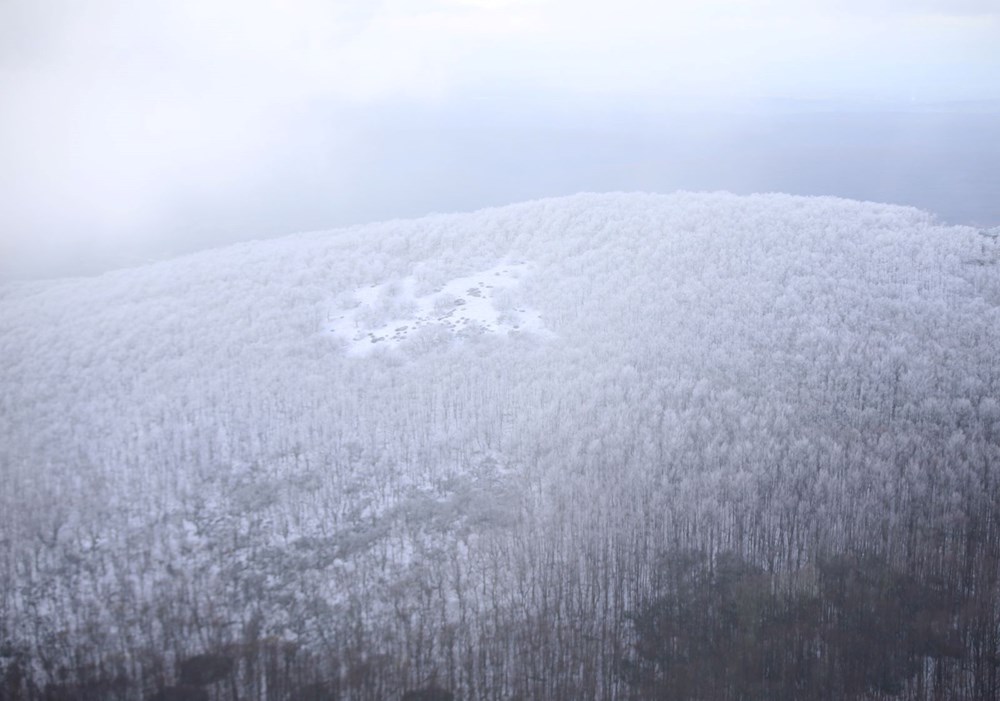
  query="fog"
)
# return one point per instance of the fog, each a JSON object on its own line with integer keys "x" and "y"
{"x": 654, "y": 441}
{"x": 134, "y": 134}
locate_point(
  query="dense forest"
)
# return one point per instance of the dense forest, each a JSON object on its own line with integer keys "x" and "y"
{"x": 746, "y": 448}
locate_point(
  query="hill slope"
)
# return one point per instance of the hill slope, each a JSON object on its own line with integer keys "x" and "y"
{"x": 393, "y": 446}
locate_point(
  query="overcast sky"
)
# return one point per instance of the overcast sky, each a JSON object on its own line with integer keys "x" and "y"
{"x": 113, "y": 112}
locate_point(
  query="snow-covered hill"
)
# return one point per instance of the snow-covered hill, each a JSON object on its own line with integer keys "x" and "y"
{"x": 379, "y": 438}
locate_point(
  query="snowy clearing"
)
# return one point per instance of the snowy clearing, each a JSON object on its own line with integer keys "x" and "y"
{"x": 393, "y": 313}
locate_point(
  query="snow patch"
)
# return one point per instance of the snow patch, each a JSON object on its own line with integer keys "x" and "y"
{"x": 393, "y": 314}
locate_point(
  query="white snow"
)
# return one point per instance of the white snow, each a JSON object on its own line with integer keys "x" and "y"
{"x": 391, "y": 314}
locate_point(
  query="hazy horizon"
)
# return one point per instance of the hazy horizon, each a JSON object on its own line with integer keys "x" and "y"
{"x": 137, "y": 133}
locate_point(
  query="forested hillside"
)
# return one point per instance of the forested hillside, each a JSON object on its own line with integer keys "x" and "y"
{"x": 695, "y": 446}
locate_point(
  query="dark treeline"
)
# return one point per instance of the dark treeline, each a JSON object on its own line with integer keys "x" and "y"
{"x": 668, "y": 609}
